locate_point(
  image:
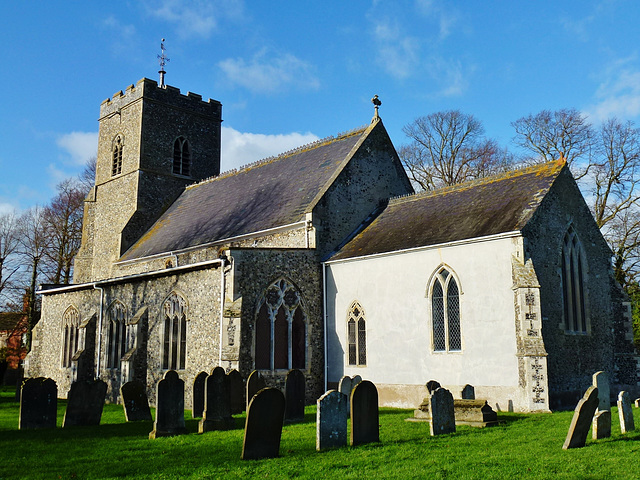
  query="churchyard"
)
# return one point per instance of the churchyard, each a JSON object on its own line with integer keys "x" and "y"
{"x": 522, "y": 446}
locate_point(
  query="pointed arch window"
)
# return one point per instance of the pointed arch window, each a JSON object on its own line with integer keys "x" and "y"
{"x": 356, "y": 335}
{"x": 445, "y": 313}
{"x": 573, "y": 290}
{"x": 181, "y": 157}
{"x": 174, "y": 346}
{"x": 71, "y": 334}
{"x": 116, "y": 155}
{"x": 281, "y": 329}
{"x": 116, "y": 334}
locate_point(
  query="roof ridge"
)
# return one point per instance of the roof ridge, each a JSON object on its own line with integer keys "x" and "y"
{"x": 551, "y": 166}
{"x": 289, "y": 153}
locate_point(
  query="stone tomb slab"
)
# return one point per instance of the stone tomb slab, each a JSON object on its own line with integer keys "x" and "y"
{"x": 217, "y": 410}
{"x": 443, "y": 418}
{"x": 197, "y": 400}
{"x": 331, "y": 420}
{"x": 582, "y": 418}
{"x": 255, "y": 383}
{"x": 85, "y": 402}
{"x": 294, "y": 395}
{"x": 135, "y": 401}
{"x": 365, "y": 425}
{"x": 169, "y": 407}
{"x": 38, "y": 403}
{"x": 475, "y": 413}
{"x": 236, "y": 389}
{"x": 625, "y": 413}
{"x": 263, "y": 427}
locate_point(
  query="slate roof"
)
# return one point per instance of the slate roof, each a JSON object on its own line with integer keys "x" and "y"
{"x": 483, "y": 207}
{"x": 268, "y": 194}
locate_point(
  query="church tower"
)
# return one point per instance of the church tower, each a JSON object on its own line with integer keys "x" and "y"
{"x": 153, "y": 141}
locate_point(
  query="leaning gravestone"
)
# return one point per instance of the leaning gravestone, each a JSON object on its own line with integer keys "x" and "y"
{"x": 169, "y": 407}
{"x": 443, "y": 418}
{"x": 294, "y": 393}
{"x": 217, "y": 410}
{"x": 468, "y": 393}
{"x": 581, "y": 421}
{"x": 38, "y": 403}
{"x": 625, "y": 413}
{"x": 601, "y": 382}
{"x": 364, "y": 414}
{"x": 601, "y": 426}
{"x": 263, "y": 427}
{"x": 236, "y": 389}
{"x": 84, "y": 403}
{"x": 197, "y": 401}
{"x": 255, "y": 383}
{"x": 135, "y": 401}
{"x": 432, "y": 386}
{"x": 331, "y": 420}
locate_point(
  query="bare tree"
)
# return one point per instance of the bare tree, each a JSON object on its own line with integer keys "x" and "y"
{"x": 87, "y": 177}
{"x": 9, "y": 264}
{"x": 449, "y": 147}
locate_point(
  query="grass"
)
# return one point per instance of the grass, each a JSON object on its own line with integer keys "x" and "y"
{"x": 524, "y": 447}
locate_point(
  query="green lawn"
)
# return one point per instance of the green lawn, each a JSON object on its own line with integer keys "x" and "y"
{"x": 526, "y": 446}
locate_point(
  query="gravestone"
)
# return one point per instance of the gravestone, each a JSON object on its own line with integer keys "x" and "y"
{"x": 331, "y": 420}
{"x": 135, "y": 401}
{"x": 468, "y": 393}
{"x": 625, "y": 413}
{"x": 255, "y": 383}
{"x": 263, "y": 427}
{"x": 197, "y": 401}
{"x": 355, "y": 380}
{"x": 236, "y": 389}
{"x": 294, "y": 394}
{"x": 364, "y": 414}
{"x": 443, "y": 418}
{"x": 432, "y": 386}
{"x": 84, "y": 403}
{"x": 345, "y": 385}
{"x": 38, "y": 403}
{"x": 217, "y": 410}
{"x": 637, "y": 402}
{"x": 581, "y": 421}
{"x": 601, "y": 382}
{"x": 169, "y": 407}
{"x": 601, "y": 426}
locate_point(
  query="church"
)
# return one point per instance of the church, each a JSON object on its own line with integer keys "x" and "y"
{"x": 324, "y": 259}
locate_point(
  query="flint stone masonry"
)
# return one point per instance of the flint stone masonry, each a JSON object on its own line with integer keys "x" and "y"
{"x": 443, "y": 418}
{"x": 169, "y": 407}
{"x": 84, "y": 403}
{"x": 582, "y": 418}
{"x": 263, "y": 427}
{"x": 331, "y": 420}
{"x": 601, "y": 427}
{"x": 198, "y": 395}
{"x": 38, "y": 403}
{"x": 364, "y": 414}
{"x": 135, "y": 402}
{"x": 625, "y": 413}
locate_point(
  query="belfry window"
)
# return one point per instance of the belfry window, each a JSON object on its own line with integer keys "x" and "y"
{"x": 116, "y": 165}
{"x": 181, "y": 157}
{"x": 174, "y": 346}
{"x": 71, "y": 334}
{"x": 573, "y": 291}
{"x": 281, "y": 329}
{"x": 445, "y": 313}
{"x": 116, "y": 334}
{"x": 356, "y": 335}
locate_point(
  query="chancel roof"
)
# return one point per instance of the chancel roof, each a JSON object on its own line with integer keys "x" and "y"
{"x": 479, "y": 208}
{"x": 271, "y": 193}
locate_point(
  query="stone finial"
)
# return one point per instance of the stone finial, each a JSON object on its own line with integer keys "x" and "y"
{"x": 376, "y": 103}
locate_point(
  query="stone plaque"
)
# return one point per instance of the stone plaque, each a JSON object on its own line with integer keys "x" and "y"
{"x": 443, "y": 418}
{"x": 84, "y": 403}
{"x": 236, "y": 389}
{"x": 331, "y": 420}
{"x": 169, "y": 407}
{"x": 217, "y": 409}
{"x": 255, "y": 383}
{"x": 601, "y": 382}
{"x": 468, "y": 393}
{"x": 582, "y": 417}
{"x": 263, "y": 427}
{"x": 38, "y": 403}
{"x": 135, "y": 401}
{"x": 364, "y": 414}
{"x": 625, "y": 413}
{"x": 601, "y": 427}
{"x": 294, "y": 394}
{"x": 197, "y": 401}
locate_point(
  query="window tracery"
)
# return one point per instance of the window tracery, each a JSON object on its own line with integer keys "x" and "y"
{"x": 174, "y": 347}
{"x": 71, "y": 334}
{"x": 445, "y": 312}
{"x": 356, "y": 335}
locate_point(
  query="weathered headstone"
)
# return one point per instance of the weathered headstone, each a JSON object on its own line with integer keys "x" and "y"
{"x": 169, "y": 407}
{"x": 581, "y": 421}
{"x": 217, "y": 410}
{"x": 443, "y": 418}
{"x": 236, "y": 388}
{"x": 255, "y": 383}
{"x": 468, "y": 393}
{"x": 364, "y": 414}
{"x": 294, "y": 394}
{"x": 84, "y": 403}
{"x": 625, "y": 413}
{"x": 345, "y": 385}
{"x": 38, "y": 403}
{"x": 263, "y": 427}
{"x": 135, "y": 401}
{"x": 601, "y": 382}
{"x": 355, "y": 380}
{"x": 197, "y": 400}
{"x": 601, "y": 426}
{"x": 432, "y": 386}
{"x": 637, "y": 402}
{"x": 331, "y": 420}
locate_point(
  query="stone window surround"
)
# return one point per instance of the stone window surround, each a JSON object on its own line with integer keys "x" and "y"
{"x": 116, "y": 154}
{"x": 117, "y": 334}
{"x": 174, "y": 316}
{"x": 182, "y": 160}
{"x": 356, "y": 319}
{"x": 70, "y": 335}
{"x": 444, "y": 283}
{"x": 571, "y": 248}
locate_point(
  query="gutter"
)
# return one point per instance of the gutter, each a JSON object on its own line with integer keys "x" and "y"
{"x": 324, "y": 315}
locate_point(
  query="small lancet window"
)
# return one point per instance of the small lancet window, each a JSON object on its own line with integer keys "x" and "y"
{"x": 573, "y": 290}
{"x": 445, "y": 313}
{"x": 71, "y": 335}
{"x": 116, "y": 335}
{"x": 356, "y": 335}
{"x": 181, "y": 157}
{"x": 116, "y": 165}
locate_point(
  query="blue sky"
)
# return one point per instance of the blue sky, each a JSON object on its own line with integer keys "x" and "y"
{"x": 290, "y": 72}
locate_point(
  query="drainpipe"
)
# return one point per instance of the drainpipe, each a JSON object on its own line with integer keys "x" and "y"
{"x": 324, "y": 301}
{"x": 223, "y": 260}
{"x": 99, "y": 329}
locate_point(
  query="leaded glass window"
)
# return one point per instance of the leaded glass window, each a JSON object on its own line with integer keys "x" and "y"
{"x": 573, "y": 291}
{"x": 445, "y": 313}
{"x": 174, "y": 346}
{"x": 71, "y": 335}
{"x": 356, "y": 335}
{"x": 116, "y": 334}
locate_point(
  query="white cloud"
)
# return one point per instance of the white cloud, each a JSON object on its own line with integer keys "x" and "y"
{"x": 6, "y": 208}
{"x": 398, "y": 54}
{"x": 269, "y": 73}
{"x": 619, "y": 92}
{"x": 239, "y": 149}
{"x": 80, "y": 146}
{"x": 446, "y": 18}
{"x": 451, "y": 74}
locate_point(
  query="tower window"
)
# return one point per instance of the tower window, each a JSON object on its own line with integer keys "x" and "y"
{"x": 181, "y": 157}
{"x": 116, "y": 165}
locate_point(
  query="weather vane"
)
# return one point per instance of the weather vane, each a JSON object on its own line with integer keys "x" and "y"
{"x": 163, "y": 61}
{"x": 376, "y": 103}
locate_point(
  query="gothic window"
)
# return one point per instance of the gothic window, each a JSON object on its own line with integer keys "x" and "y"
{"x": 174, "y": 346}
{"x": 116, "y": 152}
{"x": 357, "y": 335}
{"x": 445, "y": 313}
{"x": 281, "y": 329}
{"x": 181, "y": 157}
{"x": 116, "y": 334}
{"x": 71, "y": 334}
{"x": 573, "y": 291}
